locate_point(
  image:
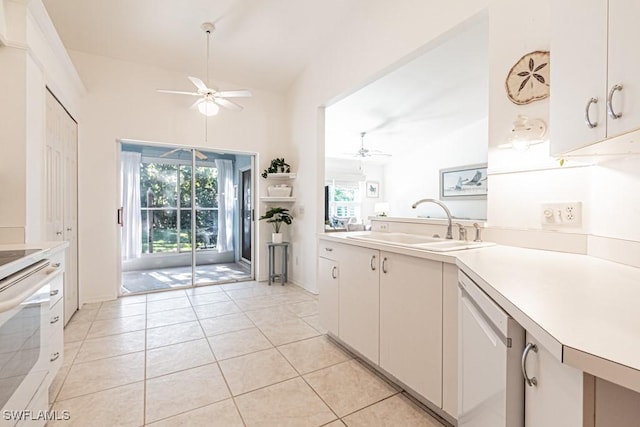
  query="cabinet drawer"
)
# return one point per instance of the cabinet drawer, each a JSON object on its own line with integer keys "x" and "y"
{"x": 328, "y": 250}
{"x": 56, "y": 286}
{"x": 56, "y": 342}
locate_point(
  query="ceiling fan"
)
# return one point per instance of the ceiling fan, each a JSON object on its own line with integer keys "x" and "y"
{"x": 364, "y": 153}
{"x": 211, "y": 99}
{"x": 200, "y": 155}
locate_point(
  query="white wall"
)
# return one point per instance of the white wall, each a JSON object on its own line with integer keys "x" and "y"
{"x": 122, "y": 102}
{"x": 414, "y": 174}
{"x": 372, "y": 41}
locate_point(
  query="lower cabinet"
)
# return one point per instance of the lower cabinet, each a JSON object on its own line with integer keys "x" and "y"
{"x": 329, "y": 298}
{"x": 556, "y": 398}
{"x": 411, "y": 322}
{"x": 360, "y": 300}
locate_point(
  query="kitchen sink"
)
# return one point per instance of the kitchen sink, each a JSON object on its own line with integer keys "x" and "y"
{"x": 402, "y": 239}
{"x": 416, "y": 241}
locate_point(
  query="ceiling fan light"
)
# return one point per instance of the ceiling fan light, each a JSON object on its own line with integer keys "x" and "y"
{"x": 208, "y": 107}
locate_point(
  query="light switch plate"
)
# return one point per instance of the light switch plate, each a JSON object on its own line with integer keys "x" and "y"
{"x": 561, "y": 214}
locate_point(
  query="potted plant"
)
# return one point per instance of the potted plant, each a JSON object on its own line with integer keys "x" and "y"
{"x": 277, "y": 216}
{"x": 277, "y": 166}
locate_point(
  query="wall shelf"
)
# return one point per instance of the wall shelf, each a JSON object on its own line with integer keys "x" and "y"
{"x": 291, "y": 175}
{"x": 267, "y": 199}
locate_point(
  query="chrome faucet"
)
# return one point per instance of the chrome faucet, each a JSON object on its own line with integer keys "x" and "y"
{"x": 443, "y": 206}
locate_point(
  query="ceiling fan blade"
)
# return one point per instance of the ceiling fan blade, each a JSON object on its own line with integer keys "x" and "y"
{"x": 170, "y": 152}
{"x": 199, "y": 84}
{"x": 200, "y": 155}
{"x": 234, "y": 93}
{"x": 179, "y": 92}
{"x": 227, "y": 104}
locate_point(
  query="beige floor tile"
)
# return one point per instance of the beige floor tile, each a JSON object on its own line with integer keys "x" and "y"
{"x": 336, "y": 423}
{"x": 158, "y": 296}
{"x": 121, "y": 310}
{"x": 126, "y": 299}
{"x": 158, "y": 306}
{"x": 304, "y": 308}
{"x": 110, "y": 345}
{"x": 394, "y": 411}
{"x": 223, "y": 324}
{"x": 58, "y": 381}
{"x": 86, "y": 314}
{"x": 240, "y": 285}
{"x": 256, "y": 291}
{"x": 182, "y": 391}
{"x": 209, "y": 298}
{"x": 256, "y": 303}
{"x": 98, "y": 375}
{"x": 288, "y": 331}
{"x": 201, "y": 290}
{"x": 290, "y": 403}
{"x": 119, "y": 325}
{"x": 121, "y": 406}
{"x": 348, "y": 387}
{"x": 173, "y": 334}
{"x": 70, "y": 352}
{"x": 216, "y": 309}
{"x": 256, "y": 370}
{"x": 314, "y": 322}
{"x": 312, "y": 354}
{"x": 76, "y": 331}
{"x": 276, "y": 314}
{"x": 170, "y": 317}
{"x": 237, "y": 343}
{"x": 221, "y": 414}
{"x": 177, "y": 357}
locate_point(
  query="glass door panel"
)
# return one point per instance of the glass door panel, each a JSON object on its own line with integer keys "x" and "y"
{"x": 206, "y": 218}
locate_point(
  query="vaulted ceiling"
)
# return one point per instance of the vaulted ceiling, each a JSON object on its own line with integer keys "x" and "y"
{"x": 257, "y": 43}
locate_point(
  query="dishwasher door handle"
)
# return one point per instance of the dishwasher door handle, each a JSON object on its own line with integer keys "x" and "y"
{"x": 532, "y": 382}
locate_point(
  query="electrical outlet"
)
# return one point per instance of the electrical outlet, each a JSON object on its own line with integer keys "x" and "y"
{"x": 379, "y": 226}
{"x": 563, "y": 214}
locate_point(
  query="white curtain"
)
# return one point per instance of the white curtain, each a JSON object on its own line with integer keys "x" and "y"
{"x": 226, "y": 205}
{"x": 132, "y": 228}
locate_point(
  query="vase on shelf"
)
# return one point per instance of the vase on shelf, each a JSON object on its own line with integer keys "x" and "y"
{"x": 276, "y": 237}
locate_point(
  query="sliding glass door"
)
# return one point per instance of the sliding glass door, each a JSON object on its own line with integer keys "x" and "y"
{"x": 179, "y": 216}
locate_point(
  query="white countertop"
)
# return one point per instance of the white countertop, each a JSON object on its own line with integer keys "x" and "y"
{"x": 583, "y": 309}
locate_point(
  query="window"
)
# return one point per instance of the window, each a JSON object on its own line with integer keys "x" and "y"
{"x": 166, "y": 208}
{"x": 344, "y": 201}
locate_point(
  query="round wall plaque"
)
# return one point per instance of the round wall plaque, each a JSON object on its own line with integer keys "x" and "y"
{"x": 528, "y": 79}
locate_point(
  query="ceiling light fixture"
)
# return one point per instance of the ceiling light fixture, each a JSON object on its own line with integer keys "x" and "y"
{"x": 525, "y": 133}
{"x": 208, "y": 107}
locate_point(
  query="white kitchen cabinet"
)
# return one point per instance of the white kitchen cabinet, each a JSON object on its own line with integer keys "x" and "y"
{"x": 360, "y": 300}
{"x": 411, "y": 322}
{"x": 329, "y": 288}
{"x": 615, "y": 405}
{"x": 557, "y": 397}
{"x": 598, "y": 54}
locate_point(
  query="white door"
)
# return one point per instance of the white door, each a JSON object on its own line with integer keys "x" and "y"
{"x": 578, "y": 73}
{"x": 411, "y": 322}
{"x": 360, "y": 299}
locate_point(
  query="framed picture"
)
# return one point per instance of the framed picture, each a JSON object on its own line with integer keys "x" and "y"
{"x": 373, "y": 189}
{"x": 464, "y": 182}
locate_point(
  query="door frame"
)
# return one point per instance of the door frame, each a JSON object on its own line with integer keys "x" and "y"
{"x": 253, "y": 218}
{"x": 118, "y": 201}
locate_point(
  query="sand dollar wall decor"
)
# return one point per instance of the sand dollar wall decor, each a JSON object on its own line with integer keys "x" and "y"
{"x": 528, "y": 79}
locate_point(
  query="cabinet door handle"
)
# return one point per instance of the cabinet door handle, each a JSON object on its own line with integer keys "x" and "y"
{"x": 333, "y": 272}
{"x": 328, "y": 249}
{"x": 612, "y": 113}
{"x": 55, "y": 265}
{"x": 55, "y": 320}
{"x": 532, "y": 382}
{"x": 54, "y": 292}
{"x": 373, "y": 258}
{"x": 58, "y": 233}
{"x": 54, "y": 356}
{"x": 587, "y": 119}
{"x": 384, "y": 265}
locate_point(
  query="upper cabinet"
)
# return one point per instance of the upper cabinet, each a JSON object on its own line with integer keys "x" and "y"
{"x": 595, "y": 72}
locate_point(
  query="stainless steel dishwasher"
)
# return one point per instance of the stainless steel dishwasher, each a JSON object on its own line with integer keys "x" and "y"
{"x": 490, "y": 342}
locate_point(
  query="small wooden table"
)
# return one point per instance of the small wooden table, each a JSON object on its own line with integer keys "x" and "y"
{"x": 283, "y": 276}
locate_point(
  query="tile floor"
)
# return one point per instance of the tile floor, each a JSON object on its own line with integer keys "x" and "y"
{"x": 241, "y": 354}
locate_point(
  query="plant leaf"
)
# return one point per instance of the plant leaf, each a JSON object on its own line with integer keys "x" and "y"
{"x": 524, "y": 82}
{"x": 531, "y": 64}
{"x": 540, "y": 67}
{"x": 523, "y": 73}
